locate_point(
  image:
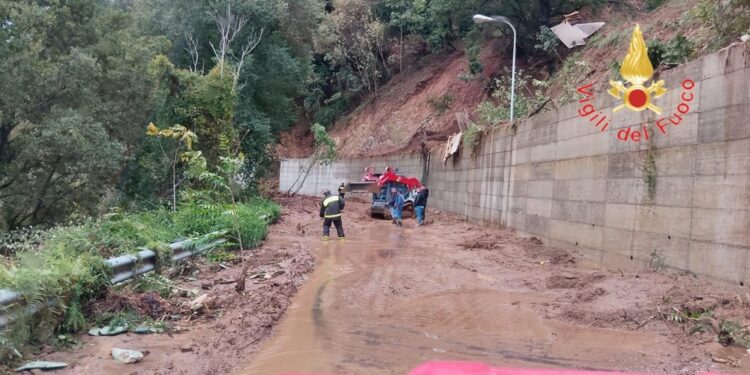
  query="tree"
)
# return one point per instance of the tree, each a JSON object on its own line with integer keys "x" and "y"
{"x": 402, "y": 16}
{"x": 61, "y": 64}
{"x": 203, "y": 103}
{"x": 353, "y": 39}
{"x": 268, "y": 82}
{"x": 60, "y": 167}
{"x": 230, "y": 25}
{"x": 184, "y": 140}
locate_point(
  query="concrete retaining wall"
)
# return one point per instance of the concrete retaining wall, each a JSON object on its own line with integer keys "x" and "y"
{"x": 561, "y": 179}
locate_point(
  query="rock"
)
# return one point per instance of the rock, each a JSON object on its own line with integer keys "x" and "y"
{"x": 186, "y": 349}
{"x": 126, "y": 355}
{"x": 206, "y": 285}
{"x": 745, "y": 38}
{"x": 42, "y": 365}
{"x": 108, "y": 331}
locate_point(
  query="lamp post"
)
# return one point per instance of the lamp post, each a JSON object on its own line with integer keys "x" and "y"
{"x": 478, "y": 18}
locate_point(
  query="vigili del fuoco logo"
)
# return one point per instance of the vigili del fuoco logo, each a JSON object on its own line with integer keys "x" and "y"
{"x": 636, "y": 94}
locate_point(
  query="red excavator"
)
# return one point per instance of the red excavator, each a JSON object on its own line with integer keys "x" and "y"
{"x": 380, "y": 186}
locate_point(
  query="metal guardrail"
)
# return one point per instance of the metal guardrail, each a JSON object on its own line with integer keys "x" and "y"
{"x": 124, "y": 267}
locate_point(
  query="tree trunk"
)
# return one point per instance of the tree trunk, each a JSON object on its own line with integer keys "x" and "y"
{"x": 401, "y": 53}
{"x": 313, "y": 161}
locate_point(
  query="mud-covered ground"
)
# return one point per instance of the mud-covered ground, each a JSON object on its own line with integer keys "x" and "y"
{"x": 388, "y": 298}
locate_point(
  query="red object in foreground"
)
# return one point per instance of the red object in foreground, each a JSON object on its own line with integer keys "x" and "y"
{"x": 476, "y": 368}
{"x": 389, "y": 175}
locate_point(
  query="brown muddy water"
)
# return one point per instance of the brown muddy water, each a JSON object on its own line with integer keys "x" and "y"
{"x": 387, "y": 301}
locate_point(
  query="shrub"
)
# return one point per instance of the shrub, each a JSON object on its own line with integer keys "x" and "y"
{"x": 614, "y": 67}
{"x": 252, "y": 218}
{"x": 653, "y": 4}
{"x": 441, "y": 103}
{"x": 120, "y": 233}
{"x": 676, "y": 51}
{"x": 529, "y": 97}
{"x": 547, "y": 42}
{"x": 572, "y": 74}
{"x": 22, "y": 239}
{"x": 472, "y": 136}
{"x": 66, "y": 280}
{"x": 726, "y": 19}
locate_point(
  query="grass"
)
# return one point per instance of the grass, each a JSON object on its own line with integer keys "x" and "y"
{"x": 65, "y": 266}
{"x": 572, "y": 75}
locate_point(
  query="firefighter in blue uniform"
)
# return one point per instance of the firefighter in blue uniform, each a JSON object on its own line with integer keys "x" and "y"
{"x": 330, "y": 211}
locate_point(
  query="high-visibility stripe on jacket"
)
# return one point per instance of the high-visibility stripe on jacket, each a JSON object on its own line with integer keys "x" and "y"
{"x": 331, "y": 207}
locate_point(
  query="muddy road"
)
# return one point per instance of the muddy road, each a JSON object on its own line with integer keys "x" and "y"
{"x": 388, "y": 299}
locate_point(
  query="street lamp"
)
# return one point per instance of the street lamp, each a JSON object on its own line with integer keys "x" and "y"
{"x": 478, "y": 18}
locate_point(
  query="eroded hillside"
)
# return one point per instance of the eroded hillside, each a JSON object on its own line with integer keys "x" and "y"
{"x": 422, "y": 103}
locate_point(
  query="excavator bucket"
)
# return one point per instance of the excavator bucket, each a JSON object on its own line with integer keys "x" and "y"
{"x": 361, "y": 186}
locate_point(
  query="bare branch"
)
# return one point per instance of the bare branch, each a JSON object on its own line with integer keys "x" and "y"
{"x": 251, "y": 44}
{"x": 192, "y": 49}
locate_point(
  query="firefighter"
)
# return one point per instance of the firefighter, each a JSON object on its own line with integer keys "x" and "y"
{"x": 330, "y": 211}
{"x": 341, "y": 191}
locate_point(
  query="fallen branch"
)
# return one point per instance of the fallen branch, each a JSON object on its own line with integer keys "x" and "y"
{"x": 727, "y": 361}
{"x": 224, "y": 282}
{"x": 649, "y": 320}
{"x": 538, "y": 109}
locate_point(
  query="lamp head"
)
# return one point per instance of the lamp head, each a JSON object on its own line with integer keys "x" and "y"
{"x": 478, "y": 18}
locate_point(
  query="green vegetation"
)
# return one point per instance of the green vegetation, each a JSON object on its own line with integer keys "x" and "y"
{"x": 472, "y": 137}
{"x": 676, "y": 51}
{"x": 529, "y": 98}
{"x": 473, "y": 41}
{"x": 726, "y": 20}
{"x": 572, "y": 75}
{"x": 653, "y": 4}
{"x": 67, "y": 267}
{"x": 731, "y": 332}
{"x": 441, "y": 103}
{"x": 648, "y": 169}
{"x": 547, "y": 42}
{"x": 614, "y": 68}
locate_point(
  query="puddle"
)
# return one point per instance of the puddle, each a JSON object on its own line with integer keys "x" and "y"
{"x": 347, "y": 320}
